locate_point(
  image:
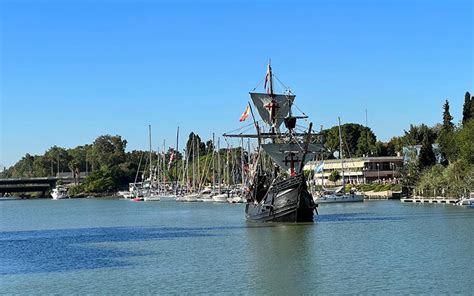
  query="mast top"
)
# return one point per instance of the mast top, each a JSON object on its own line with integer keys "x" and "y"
{"x": 269, "y": 79}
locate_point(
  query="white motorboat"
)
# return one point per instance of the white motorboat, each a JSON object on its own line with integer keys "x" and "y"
{"x": 152, "y": 197}
{"x": 59, "y": 192}
{"x": 466, "y": 201}
{"x": 206, "y": 195}
{"x": 192, "y": 197}
{"x": 339, "y": 198}
{"x": 222, "y": 197}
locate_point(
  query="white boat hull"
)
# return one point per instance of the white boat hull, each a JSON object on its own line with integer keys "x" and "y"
{"x": 220, "y": 197}
{"x": 466, "y": 202}
{"x": 339, "y": 198}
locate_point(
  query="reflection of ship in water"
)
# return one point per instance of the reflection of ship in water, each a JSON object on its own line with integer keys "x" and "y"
{"x": 279, "y": 193}
{"x": 287, "y": 249}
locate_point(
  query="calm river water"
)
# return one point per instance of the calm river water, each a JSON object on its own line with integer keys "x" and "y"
{"x": 123, "y": 247}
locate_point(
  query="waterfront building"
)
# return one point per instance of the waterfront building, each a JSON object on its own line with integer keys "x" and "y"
{"x": 361, "y": 170}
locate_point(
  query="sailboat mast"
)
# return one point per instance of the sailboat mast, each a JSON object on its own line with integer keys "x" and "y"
{"x": 213, "y": 163}
{"x": 270, "y": 78}
{"x": 342, "y": 153}
{"x": 194, "y": 161}
{"x": 176, "y": 156}
{"x": 218, "y": 164}
{"x": 272, "y": 106}
{"x": 242, "y": 161}
{"x": 198, "y": 166}
{"x": 164, "y": 164}
{"x": 149, "y": 138}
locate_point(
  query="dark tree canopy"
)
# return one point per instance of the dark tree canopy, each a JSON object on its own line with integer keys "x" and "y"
{"x": 414, "y": 136}
{"x": 427, "y": 157}
{"x": 468, "y": 108}
{"x": 357, "y": 140}
{"x": 108, "y": 151}
{"x": 193, "y": 147}
{"x": 447, "y": 118}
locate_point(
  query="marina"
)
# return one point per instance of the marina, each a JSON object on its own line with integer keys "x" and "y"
{"x": 236, "y": 147}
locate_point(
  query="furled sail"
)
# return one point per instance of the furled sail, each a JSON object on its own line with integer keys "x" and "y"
{"x": 263, "y": 103}
{"x": 283, "y": 154}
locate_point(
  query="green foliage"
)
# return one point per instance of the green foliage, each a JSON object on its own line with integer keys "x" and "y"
{"x": 448, "y": 146}
{"x": 414, "y": 136}
{"x": 468, "y": 108}
{"x": 455, "y": 180}
{"x": 357, "y": 140}
{"x": 427, "y": 157}
{"x": 99, "y": 181}
{"x": 379, "y": 187}
{"x": 410, "y": 172}
{"x": 447, "y": 118}
{"x": 194, "y": 144}
{"x": 465, "y": 142}
{"x": 334, "y": 176}
{"x": 107, "y": 151}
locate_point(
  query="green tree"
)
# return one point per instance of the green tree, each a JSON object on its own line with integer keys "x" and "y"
{"x": 465, "y": 142}
{"x": 427, "y": 157}
{"x": 108, "y": 151}
{"x": 99, "y": 181}
{"x": 446, "y": 137}
{"x": 396, "y": 143}
{"x": 197, "y": 144}
{"x": 357, "y": 140}
{"x": 334, "y": 176}
{"x": 447, "y": 118}
{"x": 59, "y": 159}
{"x": 467, "y": 111}
{"x": 414, "y": 136}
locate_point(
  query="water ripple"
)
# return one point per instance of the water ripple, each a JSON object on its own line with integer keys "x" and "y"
{"x": 73, "y": 249}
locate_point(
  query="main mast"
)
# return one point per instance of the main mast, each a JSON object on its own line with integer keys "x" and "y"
{"x": 273, "y": 105}
{"x": 151, "y": 168}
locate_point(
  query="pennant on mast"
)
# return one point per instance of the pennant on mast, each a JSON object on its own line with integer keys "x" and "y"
{"x": 246, "y": 114}
{"x": 269, "y": 80}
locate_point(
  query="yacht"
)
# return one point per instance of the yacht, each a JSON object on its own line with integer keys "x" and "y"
{"x": 59, "y": 192}
{"x": 339, "y": 197}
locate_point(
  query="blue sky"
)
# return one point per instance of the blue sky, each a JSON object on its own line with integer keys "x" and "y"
{"x": 74, "y": 70}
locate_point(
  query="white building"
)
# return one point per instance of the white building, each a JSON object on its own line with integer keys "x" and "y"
{"x": 358, "y": 170}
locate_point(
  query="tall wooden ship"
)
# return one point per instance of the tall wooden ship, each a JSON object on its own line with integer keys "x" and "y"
{"x": 278, "y": 192}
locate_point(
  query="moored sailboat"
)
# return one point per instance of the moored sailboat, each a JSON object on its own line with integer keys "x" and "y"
{"x": 339, "y": 195}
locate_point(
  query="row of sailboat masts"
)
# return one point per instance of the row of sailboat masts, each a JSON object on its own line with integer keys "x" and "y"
{"x": 195, "y": 175}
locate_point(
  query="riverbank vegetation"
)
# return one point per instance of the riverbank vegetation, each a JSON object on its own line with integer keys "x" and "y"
{"x": 450, "y": 173}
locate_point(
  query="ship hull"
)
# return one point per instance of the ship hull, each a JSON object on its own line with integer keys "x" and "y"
{"x": 286, "y": 201}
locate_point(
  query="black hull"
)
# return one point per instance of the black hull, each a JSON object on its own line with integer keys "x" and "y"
{"x": 287, "y": 201}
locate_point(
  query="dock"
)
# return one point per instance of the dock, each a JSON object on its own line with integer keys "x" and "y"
{"x": 437, "y": 200}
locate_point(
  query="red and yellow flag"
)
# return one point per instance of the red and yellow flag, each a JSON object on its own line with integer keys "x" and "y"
{"x": 246, "y": 114}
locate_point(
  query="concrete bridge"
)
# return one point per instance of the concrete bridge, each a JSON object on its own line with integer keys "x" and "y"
{"x": 27, "y": 184}
{"x": 41, "y": 184}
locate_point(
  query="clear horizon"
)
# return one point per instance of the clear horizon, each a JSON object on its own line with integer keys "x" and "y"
{"x": 71, "y": 71}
